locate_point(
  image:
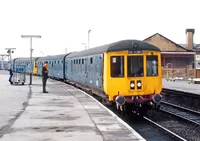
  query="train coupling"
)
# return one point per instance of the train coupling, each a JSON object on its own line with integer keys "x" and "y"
{"x": 157, "y": 98}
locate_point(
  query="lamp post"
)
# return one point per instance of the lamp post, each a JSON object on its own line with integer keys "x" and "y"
{"x": 31, "y": 50}
{"x": 89, "y": 38}
{"x": 10, "y": 51}
{"x": 84, "y": 45}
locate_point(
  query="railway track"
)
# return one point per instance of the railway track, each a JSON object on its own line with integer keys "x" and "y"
{"x": 179, "y": 126}
{"x": 150, "y": 130}
{"x": 183, "y": 99}
{"x": 173, "y": 135}
{"x": 181, "y": 112}
{"x": 166, "y": 91}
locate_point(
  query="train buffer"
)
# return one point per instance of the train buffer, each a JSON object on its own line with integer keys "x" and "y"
{"x": 66, "y": 113}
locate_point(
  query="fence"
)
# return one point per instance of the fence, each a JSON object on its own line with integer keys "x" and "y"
{"x": 178, "y": 73}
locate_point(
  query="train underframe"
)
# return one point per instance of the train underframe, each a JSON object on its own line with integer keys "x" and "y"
{"x": 138, "y": 105}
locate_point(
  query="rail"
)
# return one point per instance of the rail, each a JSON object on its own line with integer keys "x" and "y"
{"x": 177, "y": 137}
{"x": 166, "y": 91}
{"x": 181, "y": 112}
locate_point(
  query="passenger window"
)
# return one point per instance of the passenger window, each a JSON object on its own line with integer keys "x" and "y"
{"x": 82, "y": 61}
{"x": 135, "y": 66}
{"x": 152, "y": 65}
{"x": 91, "y": 60}
{"x": 117, "y": 66}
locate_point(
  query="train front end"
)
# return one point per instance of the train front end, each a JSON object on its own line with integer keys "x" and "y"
{"x": 133, "y": 78}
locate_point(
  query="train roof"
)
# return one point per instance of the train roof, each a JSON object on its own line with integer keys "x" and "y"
{"x": 25, "y": 59}
{"x": 131, "y": 45}
{"x": 61, "y": 56}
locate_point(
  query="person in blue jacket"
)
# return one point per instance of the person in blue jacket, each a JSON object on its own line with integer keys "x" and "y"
{"x": 10, "y": 77}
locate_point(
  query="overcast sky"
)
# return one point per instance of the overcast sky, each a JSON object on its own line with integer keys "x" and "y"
{"x": 65, "y": 23}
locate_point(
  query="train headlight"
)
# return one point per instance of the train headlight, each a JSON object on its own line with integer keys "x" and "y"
{"x": 139, "y": 84}
{"x": 132, "y": 85}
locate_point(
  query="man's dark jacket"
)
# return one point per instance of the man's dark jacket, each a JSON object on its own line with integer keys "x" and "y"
{"x": 44, "y": 74}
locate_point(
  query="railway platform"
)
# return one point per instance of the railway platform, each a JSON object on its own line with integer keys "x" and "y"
{"x": 65, "y": 113}
{"x": 185, "y": 86}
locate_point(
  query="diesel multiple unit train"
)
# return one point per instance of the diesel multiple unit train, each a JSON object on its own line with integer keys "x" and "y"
{"x": 127, "y": 73}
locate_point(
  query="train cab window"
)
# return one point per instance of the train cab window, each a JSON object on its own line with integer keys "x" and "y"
{"x": 135, "y": 66}
{"x": 152, "y": 65}
{"x": 117, "y": 66}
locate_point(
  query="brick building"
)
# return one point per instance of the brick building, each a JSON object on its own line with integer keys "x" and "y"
{"x": 178, "y": 58}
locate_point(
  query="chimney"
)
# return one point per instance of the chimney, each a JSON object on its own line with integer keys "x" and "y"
{"x": 189, "y": 38}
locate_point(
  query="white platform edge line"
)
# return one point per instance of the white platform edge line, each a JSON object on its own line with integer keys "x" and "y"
{"x": 113, "y": 114}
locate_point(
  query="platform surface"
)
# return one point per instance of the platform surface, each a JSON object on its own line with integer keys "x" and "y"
{"x": 185, "y": 86}
{"x": 63, "y": 114}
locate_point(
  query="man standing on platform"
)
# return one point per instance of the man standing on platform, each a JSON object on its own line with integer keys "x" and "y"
{"x": 44, "y": 76}
{"x": 10, "y": 77}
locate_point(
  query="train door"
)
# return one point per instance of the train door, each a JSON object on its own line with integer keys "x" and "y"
{"x": 86, "y": 71}
{"x": 90, "y": 71}
{"x": 82, "y": 71}
{"x": 99, "y": 71}
{"x": 65, "y": 68}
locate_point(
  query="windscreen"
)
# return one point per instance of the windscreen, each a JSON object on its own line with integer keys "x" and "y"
{"x": 117, "y": 66}
{"x": 135, "y": 66}
{"x": 152, "y": 65}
